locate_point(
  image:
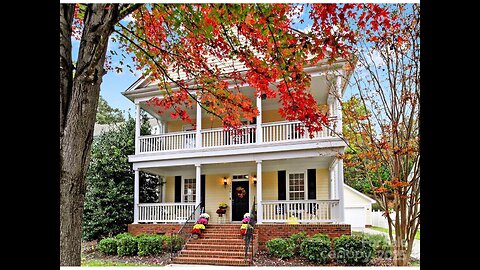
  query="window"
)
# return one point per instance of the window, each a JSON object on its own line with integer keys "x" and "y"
{"x": 296, "y": 186}
{"x": 189, "y": 190}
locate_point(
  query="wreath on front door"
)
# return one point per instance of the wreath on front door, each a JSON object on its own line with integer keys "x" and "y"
{"x": 240, "y": 192}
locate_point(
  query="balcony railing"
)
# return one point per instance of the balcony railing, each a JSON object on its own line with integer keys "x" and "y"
{"x": 164, "y": 212}
{"x": 300, "y": 211}
{"x": 271, "y": 132}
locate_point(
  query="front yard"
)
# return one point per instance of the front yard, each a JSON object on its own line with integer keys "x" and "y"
{"x": 385, "y": 230}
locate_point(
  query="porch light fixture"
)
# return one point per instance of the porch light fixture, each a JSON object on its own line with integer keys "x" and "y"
{"x": 225, "y": 182}
{"x": 255, "y": 180}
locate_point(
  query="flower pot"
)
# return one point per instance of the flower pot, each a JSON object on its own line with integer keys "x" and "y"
{"x": 195, "y": 236}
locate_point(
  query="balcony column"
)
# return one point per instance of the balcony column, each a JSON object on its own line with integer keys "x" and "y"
{"x": 198, "y": 175}
{"x": 198, "y": 135}
{"x": 338, "y": 105}
{"x": 259, "y": 132}
{"x": 259, "y": 193}
{"x": 136, "y": 196}
{"x": 340, "y": 197}
{"x": 137, "y": 127}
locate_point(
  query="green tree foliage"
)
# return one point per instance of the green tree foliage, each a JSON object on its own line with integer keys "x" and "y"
{"x": 110, "y": 182}
{"x": 106, "y": 114}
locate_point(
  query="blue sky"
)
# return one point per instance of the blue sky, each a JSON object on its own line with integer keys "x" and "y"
{"x": 114, "y": 83}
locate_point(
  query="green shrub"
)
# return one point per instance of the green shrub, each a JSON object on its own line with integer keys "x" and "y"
{"x": 380, "y": 243}
{"x": 321, "y": 236}
{"x": 123, "y": 235}
{"x": 297, "y": 240}
{"x": 281, "y": 248}
{"x": 127, "y": 246}
{"x": 149, "y": 244}
{"x": 316, "y": 249}
{"x": 108, "y": 246}
{"x": 175, "y": 240}
{"x": 353, "y": 250}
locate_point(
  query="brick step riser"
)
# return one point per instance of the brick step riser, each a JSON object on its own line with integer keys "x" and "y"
{"x": 213, "y": 256}
{"x": 232, "y": 248}
{"x": 214, "y": 252}
{"x": 197, "y": 261}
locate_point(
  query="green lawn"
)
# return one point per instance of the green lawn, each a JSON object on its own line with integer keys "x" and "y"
{"x": 417, "y": 236}
{"x": 110, "y": 263}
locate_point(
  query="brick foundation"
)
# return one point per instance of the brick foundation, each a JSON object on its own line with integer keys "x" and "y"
{"x": 153, "y": 228}
{"x": 270, "y": 231}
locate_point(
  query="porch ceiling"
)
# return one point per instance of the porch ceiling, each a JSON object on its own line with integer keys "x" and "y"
{"x": 247, "y": 167}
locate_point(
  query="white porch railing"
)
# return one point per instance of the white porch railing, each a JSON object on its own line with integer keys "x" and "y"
{"x": 272, "y": 132}
{"x": 164, "y": 212}
{"x": 287, "y": 131}
{"x": 304, "y": 211}
{"x": 220, "y": 137}
{"x": 167, "y": 141}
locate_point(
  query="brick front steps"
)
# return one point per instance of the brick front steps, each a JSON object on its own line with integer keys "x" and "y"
{"x": 218, "y": 245}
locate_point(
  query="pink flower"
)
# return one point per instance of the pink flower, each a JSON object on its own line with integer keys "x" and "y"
{"x": 245, "y": 220}
{"x": 203, "y": 221}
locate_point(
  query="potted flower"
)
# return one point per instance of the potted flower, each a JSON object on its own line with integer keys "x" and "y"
{"x": 247, "y": 223}
{"x": 197, "y": 230}
{"x": 205, "y": 215}
{"x": 222, "y": 209}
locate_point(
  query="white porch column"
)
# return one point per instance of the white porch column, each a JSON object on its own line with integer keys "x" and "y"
{"x": 137, "y": 127}
{"x": 259, "y": 131}
{"x": 136, "y": 196}
{"x": 259, "y": 192}
{"x": 198, "y": 193}
{"x": 341, "y": 202}
{"x": 332, "y": 179}
{"x": 338, "y": 105}
{"x": 198, "y": 135}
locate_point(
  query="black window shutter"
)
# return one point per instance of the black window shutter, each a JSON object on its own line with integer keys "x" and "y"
{"x": 282, "y": 185}
{"x": 202, "y": 189}
{"x": 178, "y": 188}
{"x": 312, "y": 184}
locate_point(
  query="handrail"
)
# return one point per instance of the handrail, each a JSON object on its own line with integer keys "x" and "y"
{"x": 222, "y": 129}
{"x": 181, "y": 233}
{"x": 155, "y": 204}
{"x": 249, "y": 235}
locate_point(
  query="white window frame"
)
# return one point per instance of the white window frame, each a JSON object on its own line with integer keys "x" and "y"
{"x": 183, "y": 186}
{"x": 305, "y": 183}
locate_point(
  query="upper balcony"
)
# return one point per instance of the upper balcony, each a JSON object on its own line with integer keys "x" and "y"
{"x": 281, "y": 131}
{"x": 269, "y": 131}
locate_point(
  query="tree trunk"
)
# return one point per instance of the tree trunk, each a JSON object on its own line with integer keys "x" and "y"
{"x": 78, "y": 105}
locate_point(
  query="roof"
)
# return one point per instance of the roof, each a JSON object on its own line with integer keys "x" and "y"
{"x": 359, "y": 193}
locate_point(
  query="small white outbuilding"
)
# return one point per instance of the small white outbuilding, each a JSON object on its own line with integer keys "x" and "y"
{"x": 358, "y": 208}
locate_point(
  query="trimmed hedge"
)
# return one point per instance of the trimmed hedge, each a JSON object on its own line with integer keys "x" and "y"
{"x": 353, "y": 250}
{"x": 297, "y": 240}
{"x": 316, "y": 249}
{"x": 127, "y": 246}
{"x": 321, "y": 236}
{"x": 123, "y": 235}
{"x": 281, "y": 248}
{"x": 108, "y": 246}
{"x": 150, "y": 244}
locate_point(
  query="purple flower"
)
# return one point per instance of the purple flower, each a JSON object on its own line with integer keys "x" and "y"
{"x": 202, "y": 220}
{"x": 245, "y": 220}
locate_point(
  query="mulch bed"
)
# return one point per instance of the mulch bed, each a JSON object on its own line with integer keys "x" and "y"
{"x": 88, "y": 250}
{"x": 262, "y": 258}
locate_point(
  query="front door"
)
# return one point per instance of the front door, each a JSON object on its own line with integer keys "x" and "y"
{"x": 240, "y": 195}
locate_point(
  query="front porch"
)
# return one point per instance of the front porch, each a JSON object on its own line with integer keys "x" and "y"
{"x": 301, "y": 190}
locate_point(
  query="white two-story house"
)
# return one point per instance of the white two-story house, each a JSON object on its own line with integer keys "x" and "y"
{"x": 270, "y": 167}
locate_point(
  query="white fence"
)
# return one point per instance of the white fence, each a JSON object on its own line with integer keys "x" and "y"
{"x": 378, "y": 220}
